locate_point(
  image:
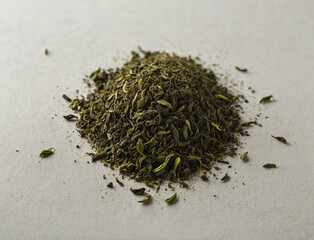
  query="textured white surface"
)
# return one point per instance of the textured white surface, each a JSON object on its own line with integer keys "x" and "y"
{"x": 58, "y": 199}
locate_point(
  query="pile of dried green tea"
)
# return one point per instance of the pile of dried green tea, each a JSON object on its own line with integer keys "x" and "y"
{"x": 159, "y": 117}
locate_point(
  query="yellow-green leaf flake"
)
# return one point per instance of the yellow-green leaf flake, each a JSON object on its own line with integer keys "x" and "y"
{"x": 216, "y": 126}
{"x": 124, "y": 87}
{"x": 187, "y": 122}
{"x": 176, "y": 163}
{"x": 140, "y": 147}
{"x": 142, "y": 159}
{"x": 176, "y": 134}
{"x": 74, "y": 104}
{"x": 146, "y": 199}
{"x": 141, "y": 103}
{"x": 46, "y": 153}
{"x": 269, "y": 165}
{"x": 280, "y": 139}
{"x": 171, "y": 199}
{"x": 165, "y": 103}
{"x": 221, "y": 96}
{"x": 185, "y": 132}
{"x": 140, "y": 83}
{"x": 266, "y": 99}
{"x": 244, "y": 155}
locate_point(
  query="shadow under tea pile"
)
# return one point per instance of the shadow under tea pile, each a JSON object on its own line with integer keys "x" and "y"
{"x": 159, "y": 117}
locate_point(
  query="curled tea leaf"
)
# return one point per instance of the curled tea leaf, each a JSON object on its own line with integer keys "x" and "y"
{"x": 74, "y": 104}
{"x": 187, "y": 122}
{"x": 95, "y": 73}
{"x": 146, "y": 199}
{"x": 216, "y": 126}
{"x": 245, "y": 123}
{"x": 185, "y": 132}
{"x": 280, "y": 139}
{"x": 221, "y": 96}
{"x": 138, "y": 191}
{"x": 162, "y": 166}
{"x": 165, "y": 103}
{"x": 46, "y": 153}
{"x": 142, "y": 159}
{"x": 140, "y": 147}
{"x": 204, "y": 178}
{"x": 266, "y": 99}
{"x": 140, "y": 83}
{"x": 141, "y": 103}
{"x": 110, "y": 185}
{"x": 172, "y": 199}
{"x": 160, "y": 133}
{"x": 241, "y": 69}
{"x": 70, "y": 117}
{"x": 269, "y": 165}
{"x": 124, "y": 87}
{"x": 244, "y": 155}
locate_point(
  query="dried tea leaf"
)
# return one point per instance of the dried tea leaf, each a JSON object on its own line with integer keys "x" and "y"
{"x": 141, "y": 103}
{"x": 138, "y": 191}
{"x": 241, "y": 69}
{"x": 247, "y": 122}
{"x": 146, "y": 199}
{"x": 46, "y": 153}
{"x": 172, "y": 199}
{"x": 74, "y": 104}
{"x": 244, "y": 155}
{"x": 225, "y": 178}
{"x": 119, "y": 182}
{"x": 204, "y": 178}
{"x": 266, "y": 99}
{"x": 187, "y": 122}
{"x": 216, "y": 126}
{"x": 165, "y": 103}
{"x": 141, "y": 159}
{"x": 46, "y": 51}
{"x": 162, "y": 166}
{"x": 175, "y": 133}
{"x": 270, "y": 165}
{"x": 140, "y": 147}
{"x": 95, "y": 73}
{"x": 140, "y": 83}
{"x": 124, "y": 87}
{"x": 176, "y": 163}
{"x": 185, "y": 132}
{"x": 280, "y": 139}
{"x": 70, "y": 117}
{"x": 66, "y": 98}
{"x": 110, "y": 185}
{"x": 221, "y": 96}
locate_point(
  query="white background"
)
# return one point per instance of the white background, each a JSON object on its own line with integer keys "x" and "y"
{"x": 58, "y": 199}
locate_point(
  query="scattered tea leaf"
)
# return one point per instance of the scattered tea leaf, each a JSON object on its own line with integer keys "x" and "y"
{"x": 66, "y": 98}
{"x": 241, "y": 69}
{"x": 70, "y": 117}
{"x": 176, "y": 163}
{"x": 119, "y": 182}
{"x": 247, "y": 122}
{"x": 110, "y": 185}
{"x": 270, "y": 165}
{"x": 244, "y": 155}
{"x": 266, "y": 99}
{"x": 225, "y": 178}
{"x": 46, "y": 153}
{"x": 172, "y": 199}
{"x": 138, "y": 191}
{"x": 46, "y": 51}
{"x": 146, "y": 199}
{"x": 280, "y": 139}
{"x": 165, "y": 103}
{"x": 204, "y": 178}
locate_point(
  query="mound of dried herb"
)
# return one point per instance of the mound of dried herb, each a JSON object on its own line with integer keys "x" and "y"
{"x": 159, "y": 117}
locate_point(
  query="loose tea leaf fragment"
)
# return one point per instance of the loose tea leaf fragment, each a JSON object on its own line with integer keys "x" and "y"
{"x": 270, "y": 165}
{"x": 172, "y": 199}
{"x": 280, "y": 139}
{"x": 266, "y": 99}
{"x": 46, "y": 153}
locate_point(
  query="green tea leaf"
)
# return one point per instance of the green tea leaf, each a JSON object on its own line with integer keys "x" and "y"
{"x": 221, "y": 96}
{"x": 165, "y": 103}
{"x": 280, "y": 139}
{"x": 46, "y": 153}
{"x": 70, "y": 117}
{"x": 139, "y": 191}
{"x": 185, "y": 132}
{"x": 247, "y": 122}
{"x": 110, "y": 185}
{"x": 119, "y": 182}
{"x": 146, "y": 199}
{"x": 171, "y": 199}
{"x": 266, "y": 99}
{"x": 176, "y": 163}
{"x": 244, "y": 155}
{"x": 141, "y": 103}
{"x": 216, "y": 126}
{"x": 270, "y": 165}
{"x": 140, "y": 83}
{"x": 142, "y": 159}
{"x": 160, "y": 133}
{"x": 187, "y": 122}
{"x": 162, "y": 166}
{"x": 225, "y": 178}
{"x": 124, "y": 87}
{"x": 66, "y": 98}
{"x": 46, "y": 51}
{"x": 140, "y": 147}
{"x": 93, "y": 74}
{"x": 175, "y": 133}
{"x": 74, "y": 104}
{"x": 241, "y": 69}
